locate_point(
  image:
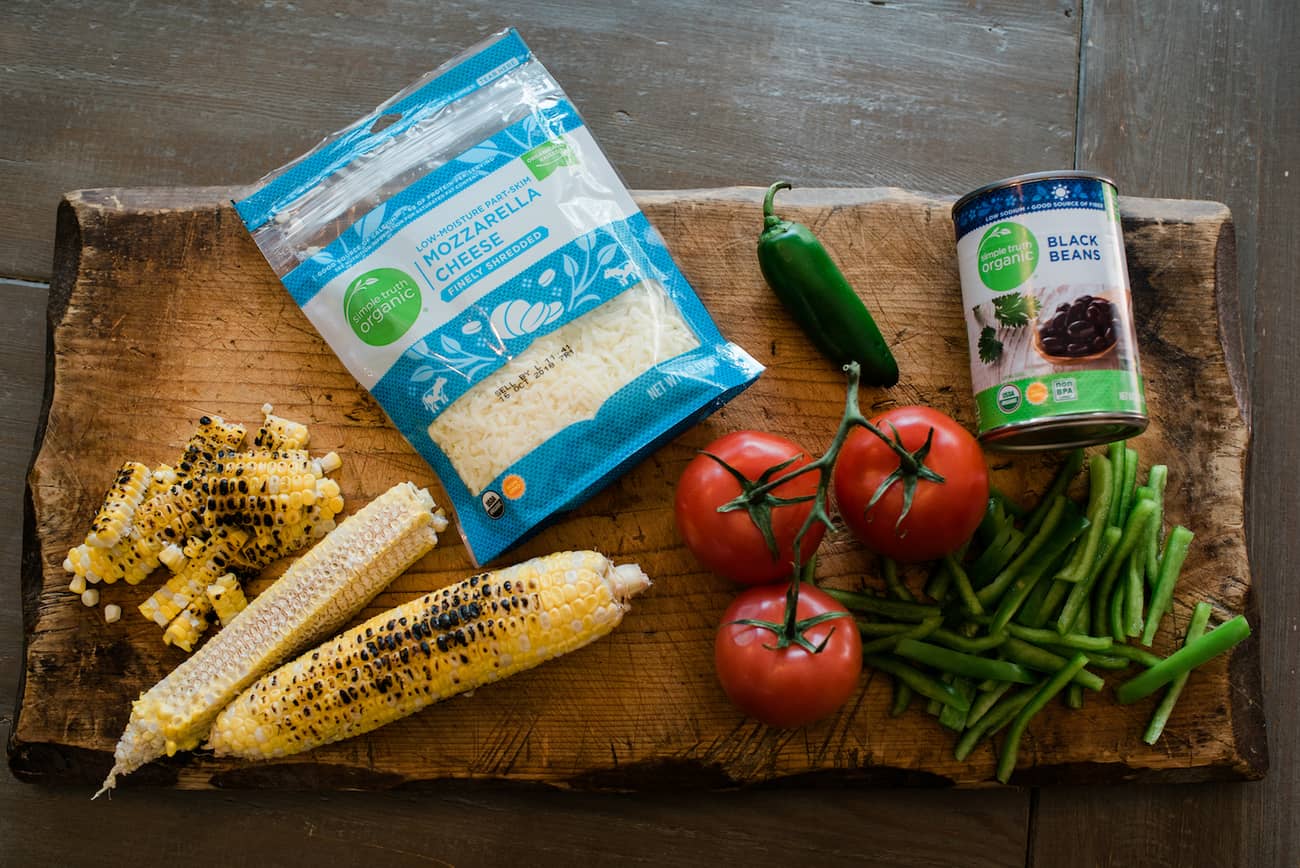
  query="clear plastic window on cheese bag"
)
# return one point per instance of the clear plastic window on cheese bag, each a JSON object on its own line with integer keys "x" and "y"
{"x": 473, "y": 259}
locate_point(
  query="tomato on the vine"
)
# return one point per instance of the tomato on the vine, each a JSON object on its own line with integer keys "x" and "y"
{"x": 941, "y": 515}
{"x": 731, "y": 543}
{"x": 792, "y": 686}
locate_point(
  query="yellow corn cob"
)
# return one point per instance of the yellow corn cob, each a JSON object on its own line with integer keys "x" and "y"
{"x": 269, "y": 544}
{"x": 206, "y": 559}
{"x": 227, "y": 598}
{"x": 278, "y": 433}
{"x": 484, "y": 629}
{"x": 259, "y": 489}
{"x": 315, "y": 596}
{"x": 186, "y": 628}
{"x": 213, "y": 436}
{"x": 120, "y": 503}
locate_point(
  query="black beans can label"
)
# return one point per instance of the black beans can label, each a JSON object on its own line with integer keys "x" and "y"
{"x": 1054, "y": 357}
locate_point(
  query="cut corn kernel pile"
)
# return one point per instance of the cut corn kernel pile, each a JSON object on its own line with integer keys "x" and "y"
{"x": 314, "y": 598}
{"x": 216, "y": 512}
{"x": 481, "y": 630}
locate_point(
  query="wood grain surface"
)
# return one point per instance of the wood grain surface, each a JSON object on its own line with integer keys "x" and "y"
{"x": 1194, "y": 102}
{"x": 167, "y": 306}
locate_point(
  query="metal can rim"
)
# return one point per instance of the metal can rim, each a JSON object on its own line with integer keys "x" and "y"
{"x": 1016, "y": 180}
{"x": 997, "y": 438}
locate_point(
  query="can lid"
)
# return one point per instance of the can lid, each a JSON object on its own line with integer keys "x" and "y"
{"x": 1032, "y": 176}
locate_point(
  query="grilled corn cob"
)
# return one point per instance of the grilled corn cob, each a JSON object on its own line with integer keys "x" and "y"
{"x": 227, "y": 598}
{"x": 481, "y": 630}
{"x": 214, "y": 436}
{"x": 315, "y": 596}
{"x": 186, "y": 628}
{"x": 120, "y": 503}
{"x": 206, "y": 559}
{"x": 278, "y": 433}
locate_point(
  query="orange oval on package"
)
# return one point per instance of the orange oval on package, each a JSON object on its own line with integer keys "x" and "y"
{"x": 513, "y": 486}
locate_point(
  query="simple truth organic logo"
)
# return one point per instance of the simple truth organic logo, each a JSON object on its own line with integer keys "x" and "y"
{"x": 382, "y": 305}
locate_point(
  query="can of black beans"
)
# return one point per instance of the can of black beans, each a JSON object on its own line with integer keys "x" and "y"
{"x": 1049, "y": 317}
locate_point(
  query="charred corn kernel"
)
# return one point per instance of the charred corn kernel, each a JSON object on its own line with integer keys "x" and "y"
{"x": 120, "y": 503}
{"x": 279, "y": 433}
{"x": 112, "y": 613}
{"x": 172, "y": 557}
{"x": 207, "y": 559}
{"x": 227, "y": 597}
{"x": 315, "y": 596}
{"x": 186, "y": 628}
{"x": 90, "y": 598}
{"x": 453, "y": 640}
{"x": 77, "y": 585}
{"x": 213, "y": 437}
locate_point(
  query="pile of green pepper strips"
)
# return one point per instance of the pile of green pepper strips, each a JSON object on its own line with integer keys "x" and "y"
{"x": 1038, "y": 603}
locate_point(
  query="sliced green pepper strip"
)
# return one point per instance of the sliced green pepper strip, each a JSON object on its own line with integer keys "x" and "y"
{"x": 1137, "y": 520}
{"x": 895, "y": 610}
{"x": 1115, "y": 455}
{"x": 1075, "y": 641}
{"x": 1135, "y": 595}
{"x": 1185, "y": 659}
{"x": 1049, "y": 689}
{"x": 985, "y": 701}
{"x": 1157, "y": 479}
{"x": 996, "y": 718}
{"x": 931, "y": 688}
{"x": 1101, "y": 488}
{"x": 874, "y": 629}
{"x": 1171, "y": 564}
{"x": 992, "y": 591}
{"x": 1137, "y": 655}
{"x": 1068, "y": 528}
{"x": 1064, "y": 476}
{"x": 1195, "y": 630}
{"x": 1033, "y": 657}
{"x": 1074, "y": 696}
{"x": 1115, "y": 611}
{"x": 941, "y": 577}
{"x": 958, "y": 663}
{"x": 894, "y": 585}
{"x": 1080, "y": 593}
{"x": 902, "y": 699}
{"x": 958, "y": 642}
{"x": 888, "y": 643}
{"x": 996, "y": 556}
{"x": 950, "y": 717}
{"x": 968, "y": 596}
{"x": 806, "y": 279}
{"x": 1129, "y": 483}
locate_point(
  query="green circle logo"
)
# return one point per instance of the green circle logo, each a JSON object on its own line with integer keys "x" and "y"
{"x": 1008, "y": 399}
{"x": 1008, "y": 254}
{"x": 382, "y": 305}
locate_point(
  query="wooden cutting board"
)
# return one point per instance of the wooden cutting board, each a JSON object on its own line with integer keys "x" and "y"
{"x": 162, "y": 310}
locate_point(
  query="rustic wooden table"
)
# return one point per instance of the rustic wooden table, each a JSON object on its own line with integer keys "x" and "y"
{"x": 935, "y": 95}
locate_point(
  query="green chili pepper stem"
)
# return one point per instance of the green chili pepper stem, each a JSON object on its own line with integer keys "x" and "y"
{"x": 1185, "y": 659}
{"x": 770, "y": 220}
{"x": 1195, "y": 629}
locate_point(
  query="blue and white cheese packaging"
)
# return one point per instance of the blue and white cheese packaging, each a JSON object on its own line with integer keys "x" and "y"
{"x": 474, "y": 260}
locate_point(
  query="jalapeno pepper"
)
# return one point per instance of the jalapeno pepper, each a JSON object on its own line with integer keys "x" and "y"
{"x": 815, "y": 292}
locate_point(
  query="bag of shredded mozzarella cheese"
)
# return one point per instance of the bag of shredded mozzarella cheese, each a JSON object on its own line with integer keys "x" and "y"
{"x": 476, "y": 263}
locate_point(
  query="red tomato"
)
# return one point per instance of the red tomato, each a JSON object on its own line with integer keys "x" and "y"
{"x": 789, "y": 687}
{"x": 729, "y": 543}
{"x": 942, "y": 515}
